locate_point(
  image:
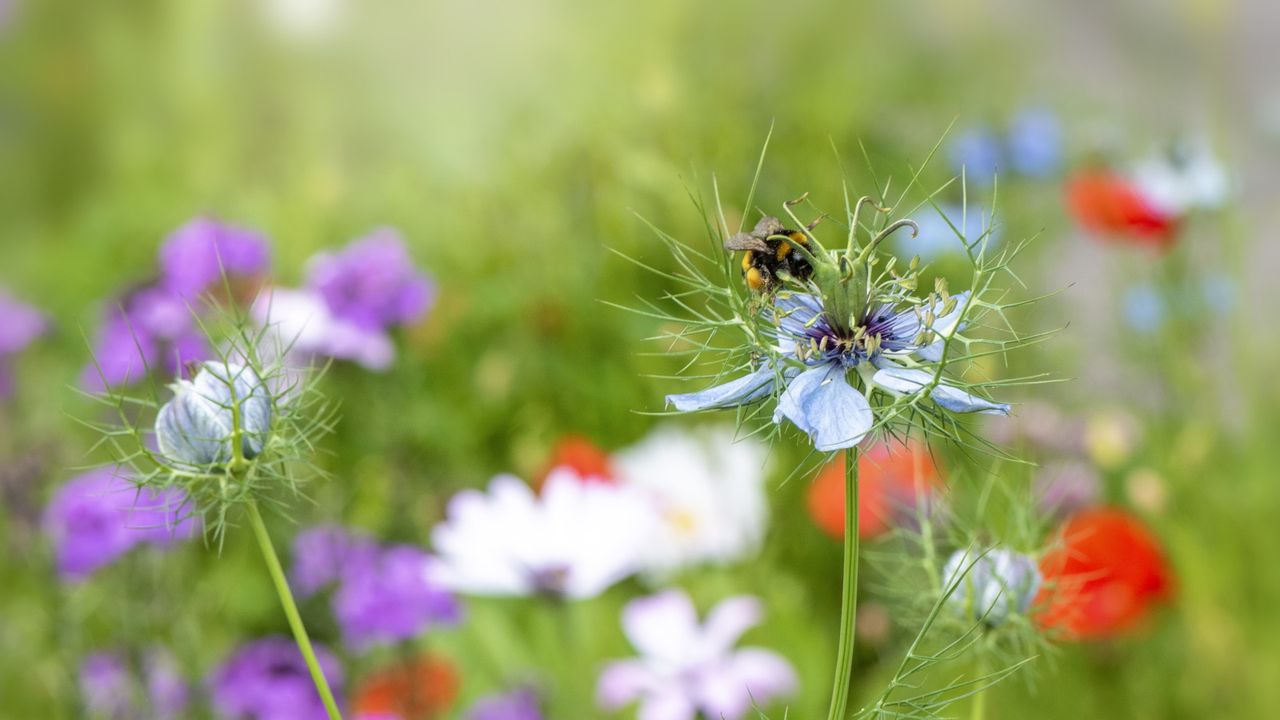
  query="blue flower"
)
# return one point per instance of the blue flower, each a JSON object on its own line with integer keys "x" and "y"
{"x": 936, "y": 237}
{"x": 1035, "y": 143}
{"x": 894, "y": 349}
{"x": 976, "y": 153}
{"x": 1144, "y": 308}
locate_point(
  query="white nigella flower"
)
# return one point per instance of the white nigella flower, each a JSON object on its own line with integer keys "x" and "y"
{"x": 686, "y": 667}
{"x": 995, "y": 584}
{"x": 196, "y": 428}
{"x": 708, "y": 491}
{"x": 574, "y": 540}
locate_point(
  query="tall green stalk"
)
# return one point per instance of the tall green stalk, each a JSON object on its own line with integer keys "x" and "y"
{"x": 849, "y": 591}
{"x": 291, "y": 611}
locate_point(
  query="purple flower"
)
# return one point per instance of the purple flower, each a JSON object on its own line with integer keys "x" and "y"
{"x": 196, "y": 255}
{"x": 98, "y": 516}
{"x": 322, "y": 554}
{"x": 301, "y": 325}
{"x": 151, "y": 328}
{"x": 1065, "y": 487}
{"x": 20, "y": 324}
{"x": 686, "y": 667}
{"x": 392, "y": 599}
{"x": 372, "y": 282}
{"x": 111, "y": 691}
{"x": 519, "y": 704}
{"x": 268, "y": 679}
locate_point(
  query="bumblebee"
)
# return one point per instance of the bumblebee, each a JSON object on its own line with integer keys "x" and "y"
{"x": 769, "y": 251}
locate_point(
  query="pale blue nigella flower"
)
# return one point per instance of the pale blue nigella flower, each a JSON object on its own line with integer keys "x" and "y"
{"x": 976, "y": 153}
{"x": 895, "y": 349}
{"x": 1035, "y": 143}
{"x": 935, "y": 237}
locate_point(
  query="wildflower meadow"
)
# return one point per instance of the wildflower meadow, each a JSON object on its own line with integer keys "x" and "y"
{"x": 668, "y": 361}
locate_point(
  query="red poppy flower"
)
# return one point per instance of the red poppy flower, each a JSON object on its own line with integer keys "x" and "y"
{"x": 887, "y": 487}
{"x": 421, "y": 689}
{"x": 580, "y": 455}
{"x": 1105, "y": 578}
{"x": 1110, "y": 204}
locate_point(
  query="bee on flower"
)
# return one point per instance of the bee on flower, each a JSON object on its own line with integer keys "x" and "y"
{"x": 844, "y": 342}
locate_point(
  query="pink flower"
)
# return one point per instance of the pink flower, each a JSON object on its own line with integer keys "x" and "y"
{"x": 686, "y": 667}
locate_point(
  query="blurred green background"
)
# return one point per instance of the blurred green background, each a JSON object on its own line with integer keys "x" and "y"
{"x": 513, "y": 144}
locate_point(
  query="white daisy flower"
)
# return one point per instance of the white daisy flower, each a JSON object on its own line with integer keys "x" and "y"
{"x": 574, "y": 540}
{"x": 708, "y": 491}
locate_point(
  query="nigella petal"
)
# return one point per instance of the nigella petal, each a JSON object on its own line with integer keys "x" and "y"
{"x": 931, "y": 352}
{"x": 218, "y": 381}
{"x": 795, "y": 311}
{"x": 191, "y": 430}
{"x": 826, "y": 408}
{"x": 907, "y": 382}
{"x": 741, "y": 391}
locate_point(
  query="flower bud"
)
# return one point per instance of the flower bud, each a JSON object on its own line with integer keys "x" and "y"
{"x": 997, "y": 583}
{"x": 196, "y": 427}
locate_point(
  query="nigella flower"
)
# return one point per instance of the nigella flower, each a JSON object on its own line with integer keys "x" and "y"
{"x": 267, "y": 679}
{"x": 200, "y": 253}
{"x": 686, "y": 667}
{"x": 111, "y": 691}
{"x": 574, "y": 540}
{"x": 935, "y": 238}
{"x": 990, "y": 586}
{"x": 20, "y": 324}
{"x": 708, "y": 490}
{"x": 99, "y": 516}
{"x": 1031, "y": 146}
{"x": 520, "y": 704}
{"x": 207, "y": 415}
{"x": 976, "y": 153}
{"x": 1035, "y": 142}
{"x": 891, "y": 347}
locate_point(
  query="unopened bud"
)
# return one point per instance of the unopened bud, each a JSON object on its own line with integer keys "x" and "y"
{"x": 197, "y": 427}
{"x": 998, "y": 583}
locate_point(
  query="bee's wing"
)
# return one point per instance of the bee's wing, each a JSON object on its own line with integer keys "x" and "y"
{"x": 768, "y": 226}
{"x": 746, "y": 241}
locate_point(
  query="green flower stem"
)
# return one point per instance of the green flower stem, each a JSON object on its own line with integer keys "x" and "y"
{"x": 291, "y": 611}
{"x": 978, "y": 711}
{"x": 849, "y": 592}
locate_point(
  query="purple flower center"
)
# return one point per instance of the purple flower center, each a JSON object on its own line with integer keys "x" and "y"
{"x": 881, "y": 328}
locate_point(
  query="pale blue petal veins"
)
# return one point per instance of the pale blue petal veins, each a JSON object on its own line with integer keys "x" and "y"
{"x": 826, "y": 408}
{"x": 906, "y": 381}
{"x": 741, "y": 391}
